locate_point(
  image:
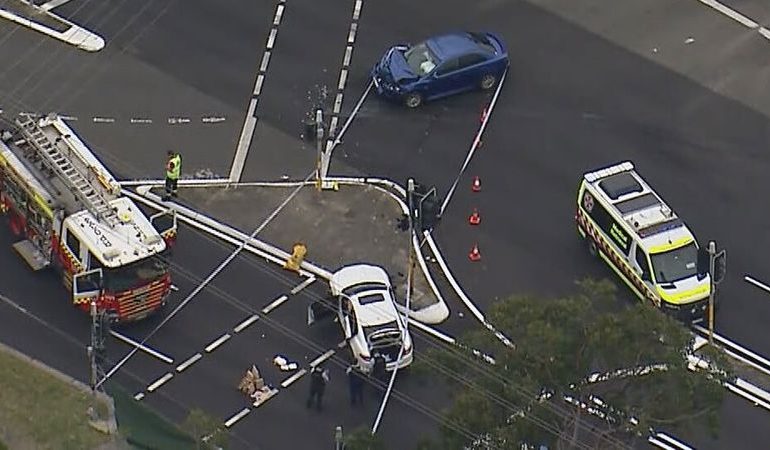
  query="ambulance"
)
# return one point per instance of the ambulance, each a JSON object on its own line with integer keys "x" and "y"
{"x": 627, "y": 224}
{"x": 66, "y": 212}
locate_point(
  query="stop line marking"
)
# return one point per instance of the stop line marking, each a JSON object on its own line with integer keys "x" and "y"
{"x": 737, "y": 16}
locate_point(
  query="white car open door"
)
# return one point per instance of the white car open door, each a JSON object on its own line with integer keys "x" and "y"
{"x": 87, "y": 286}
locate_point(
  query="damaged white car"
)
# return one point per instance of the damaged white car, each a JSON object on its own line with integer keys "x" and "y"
{"x": 368, "y": 316}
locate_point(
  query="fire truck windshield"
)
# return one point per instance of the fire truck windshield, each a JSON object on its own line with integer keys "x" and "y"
{"x": 135, "y": 274}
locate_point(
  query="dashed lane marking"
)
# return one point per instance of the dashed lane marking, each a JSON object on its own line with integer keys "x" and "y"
{"x": 322, "y": 358}
{"x": 243, "y": 325}
{"x": 159, "y": 382}
{"x": 350, "y": 43}
{"x": 274, "y": 304}
{"x": 287, "y": 382}
{"x": 189, "y": 362}
{"x": 221, "y": 340}
{"x": 139, "y": 396}
{"x": 142, "y": 347}
{"x": 240, "y": 415}
{"x": 250, "y": 121}
{"x": 303, "y": 285}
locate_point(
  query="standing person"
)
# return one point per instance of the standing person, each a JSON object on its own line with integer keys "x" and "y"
{"x": 173, "y": 169}
{"x": 318, "y": 379}
{"x": 356, "y": 384}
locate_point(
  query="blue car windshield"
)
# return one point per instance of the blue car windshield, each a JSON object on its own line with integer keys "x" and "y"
{"x": 421, "y": 60}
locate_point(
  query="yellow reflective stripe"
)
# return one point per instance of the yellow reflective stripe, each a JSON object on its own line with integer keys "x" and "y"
{"x": 39, "y": 200}
{"x": 671, "y": 245}
{"x": 684, "y": 297}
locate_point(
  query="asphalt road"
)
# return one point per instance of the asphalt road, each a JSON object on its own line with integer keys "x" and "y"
{"x": 588, "y": 86}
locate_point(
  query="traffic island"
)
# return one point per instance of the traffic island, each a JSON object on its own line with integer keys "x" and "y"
{"x": 358, "y": 223}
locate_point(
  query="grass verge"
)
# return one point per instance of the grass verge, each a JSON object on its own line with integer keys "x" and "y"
{"x": 39, "y": 410}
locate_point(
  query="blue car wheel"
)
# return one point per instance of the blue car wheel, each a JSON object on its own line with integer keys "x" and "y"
{"x": 413, "y": 100}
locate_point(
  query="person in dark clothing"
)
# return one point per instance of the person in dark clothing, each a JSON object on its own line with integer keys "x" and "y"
{"x": 318, "y": 379}
{"x": 356, "y": 379}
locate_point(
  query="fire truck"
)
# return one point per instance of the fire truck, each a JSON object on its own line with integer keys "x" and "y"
{"x": 67, "y": 213}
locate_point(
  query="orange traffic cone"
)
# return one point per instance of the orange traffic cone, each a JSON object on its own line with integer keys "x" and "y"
{"x": 474, "y": 255}
{"x": 476, "y": 186}
{"x": 475, "y": 218}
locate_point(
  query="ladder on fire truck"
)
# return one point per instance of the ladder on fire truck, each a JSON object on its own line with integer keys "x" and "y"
{"x": 87, "y": 187}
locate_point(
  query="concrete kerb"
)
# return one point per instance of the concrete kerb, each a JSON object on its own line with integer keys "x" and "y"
{"x": 108, "y": 426}
{"x": 433, "y": 314}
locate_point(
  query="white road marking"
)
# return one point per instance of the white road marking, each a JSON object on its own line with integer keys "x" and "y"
{"x": 357, "y": 9}
{"x": 476, "y": 141}
{"x": 352, "y": 33}
{"x": 190, "y": 361}
{"x": 338, "y": 138}
{"x": 285, "y": 383}
{"x": 278, "y": 14}
{"x": 159, "y": 382}
{"x": 322, "y": 358}
{"x": 237, "y": 417}
{"x": 271, "y": 38}
{"x": 141, "y": 347}
{"x": 343, "y": 79}
{"x": 737, "y": 16}
{"x": 52, "y": 4}
{"x": 242, "y": 326}
{"x": 140, "y": 120}
{"x": 265, "y": 61}
{"x": 274, "y": 304}
{"x": 731, "y": 13}
{"x": 757, "y": 283}
{"x": 213, "y": 119}
{"x": 174, "y": 288}
{"x": 250, "y": 122}
{"x": 303, "y": 285}
{"x": 258, "y": 86}
{"x": 139, "y": 396}
{"x": 221, "y": 340}
{"x": 103, "y": 120}
{"x": 337, "y": 103}
{"x": 348, "y": 55}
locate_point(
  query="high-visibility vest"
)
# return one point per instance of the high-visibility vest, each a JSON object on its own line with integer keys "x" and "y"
{"x": 173, "y": 167}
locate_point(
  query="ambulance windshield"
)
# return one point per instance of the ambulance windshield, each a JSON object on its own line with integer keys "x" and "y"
{"x": 676, "y": 264}
{"x": 135, "y": 274}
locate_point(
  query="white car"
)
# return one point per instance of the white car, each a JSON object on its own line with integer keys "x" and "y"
{"x": 368, "y": 316}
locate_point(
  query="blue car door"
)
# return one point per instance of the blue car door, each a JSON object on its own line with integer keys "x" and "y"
{"x": 471, "y": 70}
{"x": 444, "y": 80}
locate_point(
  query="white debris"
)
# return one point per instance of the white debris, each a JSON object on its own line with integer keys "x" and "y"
{"x": 689, "y": 40}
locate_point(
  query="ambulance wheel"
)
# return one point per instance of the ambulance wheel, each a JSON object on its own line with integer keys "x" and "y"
{"x": 592, "y": 248}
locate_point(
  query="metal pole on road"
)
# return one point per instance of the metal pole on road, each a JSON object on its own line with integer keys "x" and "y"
{"x": 410, "y": 196}
{"x": 712, "y": 249}
{"x": 717, "y": 271}
{"x": 319, "y": 140}
{"x": 339, "y": 443}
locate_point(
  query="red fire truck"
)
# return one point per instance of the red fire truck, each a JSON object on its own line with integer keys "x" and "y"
{"x": 67, "y": 212}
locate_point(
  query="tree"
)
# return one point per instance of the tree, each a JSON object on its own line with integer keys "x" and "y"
{"x": 362, "y": 439}
{"x": 205, "y": 429}
{"x": 627, "y": 367}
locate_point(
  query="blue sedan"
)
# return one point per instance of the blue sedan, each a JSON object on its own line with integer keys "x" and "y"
{"x": 440, "y": 66}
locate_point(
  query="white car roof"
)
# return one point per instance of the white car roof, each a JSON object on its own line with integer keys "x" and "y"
{"x": 369, "y": 309}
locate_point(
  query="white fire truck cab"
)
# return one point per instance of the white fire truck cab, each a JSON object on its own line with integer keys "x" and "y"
{"x": 68, "y": 213}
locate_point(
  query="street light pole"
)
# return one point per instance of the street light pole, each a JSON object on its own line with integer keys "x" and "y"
{"x": 410, "y": 269}
{"x": 319, "y": 137}
{"x": 712, "y": 250}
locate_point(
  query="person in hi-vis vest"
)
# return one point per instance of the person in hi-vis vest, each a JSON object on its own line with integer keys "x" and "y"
{"x": 173, "y": 169}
